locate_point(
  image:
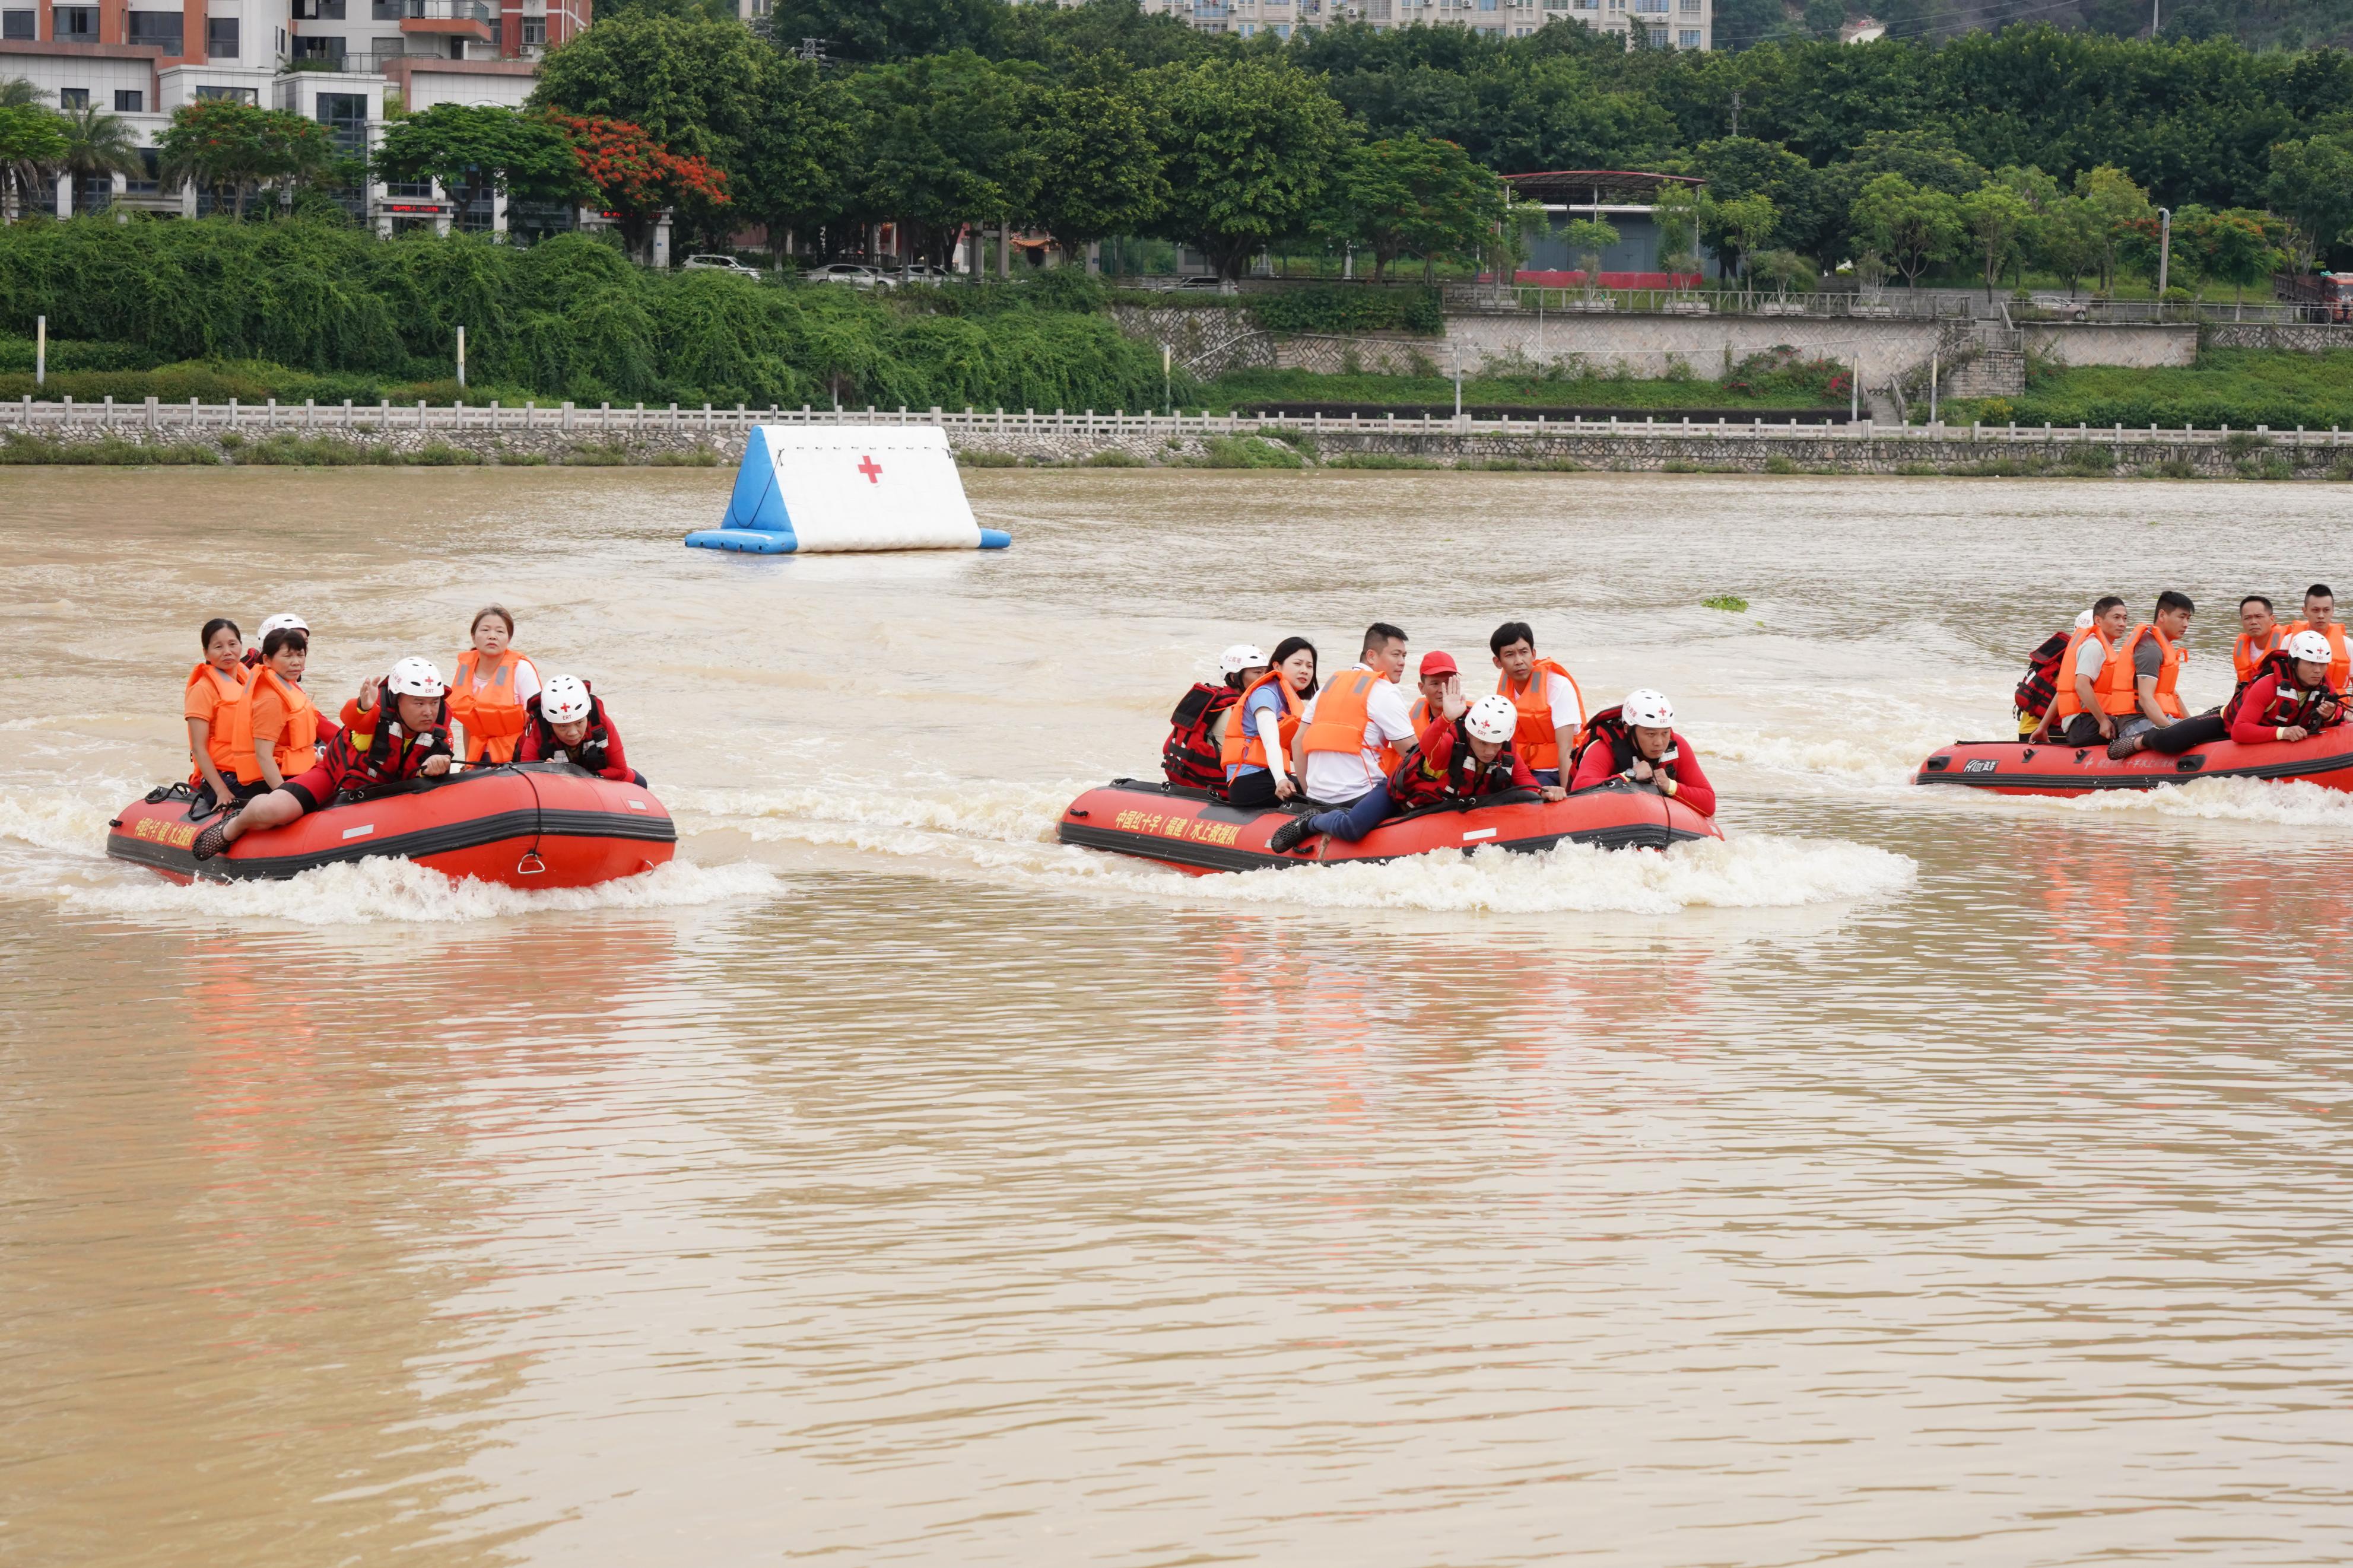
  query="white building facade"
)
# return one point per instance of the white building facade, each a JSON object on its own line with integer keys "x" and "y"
{"x": 1664, "y": 24}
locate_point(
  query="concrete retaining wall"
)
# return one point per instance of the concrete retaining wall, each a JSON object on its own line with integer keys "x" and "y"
{"x": 2141, "y": 346}
{"x": 2311, "y": 339}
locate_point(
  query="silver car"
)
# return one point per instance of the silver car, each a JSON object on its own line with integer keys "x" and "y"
{"x": 719, "y": 264}
{"x": 855, "y": 274}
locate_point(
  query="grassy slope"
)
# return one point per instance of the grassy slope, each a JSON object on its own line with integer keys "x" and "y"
{"x": 1249, "y": 389}
{"x": 2239, "y": 387}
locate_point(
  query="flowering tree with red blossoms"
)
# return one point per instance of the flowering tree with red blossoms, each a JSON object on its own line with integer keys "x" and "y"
{"x": 637, "y": 178}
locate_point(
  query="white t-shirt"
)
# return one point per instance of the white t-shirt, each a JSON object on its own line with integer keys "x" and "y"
{"x": 1560, "y": 695}
{"x": 1338, "y": 777}
{"x": 2090, "y": 658}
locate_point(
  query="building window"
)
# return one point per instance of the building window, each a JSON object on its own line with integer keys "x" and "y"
{"x": 149, "y": 180}
{"x": 161, "y": 28}
{"x": 249, "y": 96}
{"x": 386, "y": 10}
{"x": 220, "y": 40}
{"x": 345, "y": 114}
{"x": 74, "y": 21}
{"x": 73, "y": 98}
{"x": 535, "y": 31}
{"x": 1658, "y": 37}
{"x": 1688, "y": 39}
{"x": 129, "y": 100}
{"x": 318, "y": 10}
{"x": 20, "y": 25}
{"x": 329, "y": 49}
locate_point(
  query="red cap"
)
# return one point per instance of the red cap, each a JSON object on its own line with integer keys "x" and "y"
{"x": 1434, "y": 663}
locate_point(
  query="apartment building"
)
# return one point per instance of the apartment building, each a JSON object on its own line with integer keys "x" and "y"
{"x": 340, "y": 62}
{"x": 1664, "y": 24}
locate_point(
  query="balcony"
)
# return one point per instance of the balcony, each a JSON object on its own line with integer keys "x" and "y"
{"x": 449, "y": 18}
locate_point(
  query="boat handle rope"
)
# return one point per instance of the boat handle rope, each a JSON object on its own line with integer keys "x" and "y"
{"x": 530, "y": 864}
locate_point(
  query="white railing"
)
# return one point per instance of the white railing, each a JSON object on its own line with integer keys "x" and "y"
{"x": 29, "y": 417}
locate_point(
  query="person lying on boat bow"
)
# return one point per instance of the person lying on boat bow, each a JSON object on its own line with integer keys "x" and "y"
{"x": 568, "y": 725}
{"x": 1464, "y": 753}
{"x": 412, "y": 740}
{"x": 2290, "y": 698}
{"x": 1636, "y": 741}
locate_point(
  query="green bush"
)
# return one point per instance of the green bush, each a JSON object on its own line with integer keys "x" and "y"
{"x": 1248, "y": 452}
{"x": 295, "y": 310}
{"x": 2237, "y": 387}
{"x": 108, "y": 450}
{"x": 1361, "y": 308}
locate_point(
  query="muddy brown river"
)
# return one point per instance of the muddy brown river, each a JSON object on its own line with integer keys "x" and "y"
{"x": 1907, "y": 1179}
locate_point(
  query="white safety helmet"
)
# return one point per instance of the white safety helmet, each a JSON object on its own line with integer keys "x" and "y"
{"x": 1648, "y": 710}
{"x": 413, "y": 677}
{"x": 2084, "y": 622}
{"x": 2311, "y": 648}
{"x": 1241, "y": 656}
{"x": 564, "y": 700}
{"x": 1493, "y": 719}
{"x": 281, "y": 623}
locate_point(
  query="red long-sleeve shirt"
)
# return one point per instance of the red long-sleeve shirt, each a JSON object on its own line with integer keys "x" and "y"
{"x": 1601, "y": 765}
{"x": 2247, "y": 727}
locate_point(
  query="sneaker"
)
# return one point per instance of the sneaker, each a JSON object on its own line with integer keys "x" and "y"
{"x": 1286, "y": 837}
{"x": 211, "y": 841}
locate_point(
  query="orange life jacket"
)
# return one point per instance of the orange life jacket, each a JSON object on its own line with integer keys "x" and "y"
{"x": 1419, "y": 715}
{"x": 1236, "y": 750}
{"x": 493, "y": 716}
{"x": 1534, "y": 739}
{"x": 2064, "y": 703}
{"x": 230, "y": 737}
{"x": 1342, "y": 713}
{"x": 298, "y": 744}
{"x": 2340, "y": 660}
{"x": 2247, "y": 655}
{"x": 2118, "y": 688}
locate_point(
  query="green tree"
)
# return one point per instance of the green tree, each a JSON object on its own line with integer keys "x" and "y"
{"x": 98, "y": 144}
{"x": 877, "y": 30}
{"x": 794, "y": 169}
{"x": 2238, "y": 246}
{"x": 1995, "y": 217}
{"x": 236, "y": 150}
{"x": 475, "y": 152}
{"x": 1589, "y": 239}
{"x": 1096, "y": 166}
{"x": 1676, "y": 218}
{"x": 941, "y": 146}
{"x": 32, "y": 142}
{"x": 1414, "y": 196}
{"x": 1250, "y": 148}
{"x": 2311, "y": 185}
{"x": 2067, "y": 239}
{"x": 1913, "y": 228}
{"x": 2117, "y": 209}
{"x": 1735, "y": 227}
{"x": 1785, "y": 269}
{"x": 691, "y": 83}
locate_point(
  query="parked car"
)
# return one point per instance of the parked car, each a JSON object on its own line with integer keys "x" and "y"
{"x": 1201, "y": 282}
{"x": 920, "y": 273}
{"x": 718, "y": 264}
{"x": 855, "y": 274}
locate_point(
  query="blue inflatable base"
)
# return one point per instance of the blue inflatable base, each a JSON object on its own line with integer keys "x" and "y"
{"x": 750, "y": 541}
{"x": 781, "y": 541}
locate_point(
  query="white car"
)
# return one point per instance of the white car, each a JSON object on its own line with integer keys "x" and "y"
{"x": 853, "y": 273}
{"x": 721, "y": 264}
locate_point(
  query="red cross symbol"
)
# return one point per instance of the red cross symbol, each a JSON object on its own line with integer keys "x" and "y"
{"x": 871, "y": 470}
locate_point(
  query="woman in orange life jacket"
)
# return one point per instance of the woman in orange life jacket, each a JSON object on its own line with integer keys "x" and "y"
{"x": 1193, "y": 755}
{"x": 2290, "y": 698}
{"x": 407, "y": 736}
{"x": 288, "y": 728}
{"x": 217, "y": 703}
{"x": 2260, "y": 636}
{"x": 2147, "y": 667}
{"x": 1257, "y": 736}
{"x": 1552, "y": 708}
{"x": 491, "y": 689}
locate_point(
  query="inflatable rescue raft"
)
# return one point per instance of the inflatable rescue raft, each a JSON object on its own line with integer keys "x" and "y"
{"x": 2020, "y": 767}
{"x": 526, "y": 824}
{"x": 1194, "y": 831}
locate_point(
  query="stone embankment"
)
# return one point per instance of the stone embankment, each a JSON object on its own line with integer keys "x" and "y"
{"x": 533, "y": 435}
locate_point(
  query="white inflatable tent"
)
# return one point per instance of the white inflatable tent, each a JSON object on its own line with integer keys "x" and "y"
{"x": 848, "y": 486}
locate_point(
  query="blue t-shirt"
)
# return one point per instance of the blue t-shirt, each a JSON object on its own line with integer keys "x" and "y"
{"x": 1261, "y": 716}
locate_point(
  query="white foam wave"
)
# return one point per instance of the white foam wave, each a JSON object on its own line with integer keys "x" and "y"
{"x": 1759, "y": 872}
{"x": 891, "y": 820}
{"x": 368, "y": 893}
{"x": 2294, "y": 804}
{"x": 58, "y": 819}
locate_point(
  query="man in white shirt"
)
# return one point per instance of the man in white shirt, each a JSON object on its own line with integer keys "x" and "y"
{"x": 1348, "y": 735}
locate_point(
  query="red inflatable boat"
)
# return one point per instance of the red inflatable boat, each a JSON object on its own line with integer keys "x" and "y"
{"x": 2020, "y": 767}
{"x": 527, "y": 824}
{"x": 1194, "y": 831}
